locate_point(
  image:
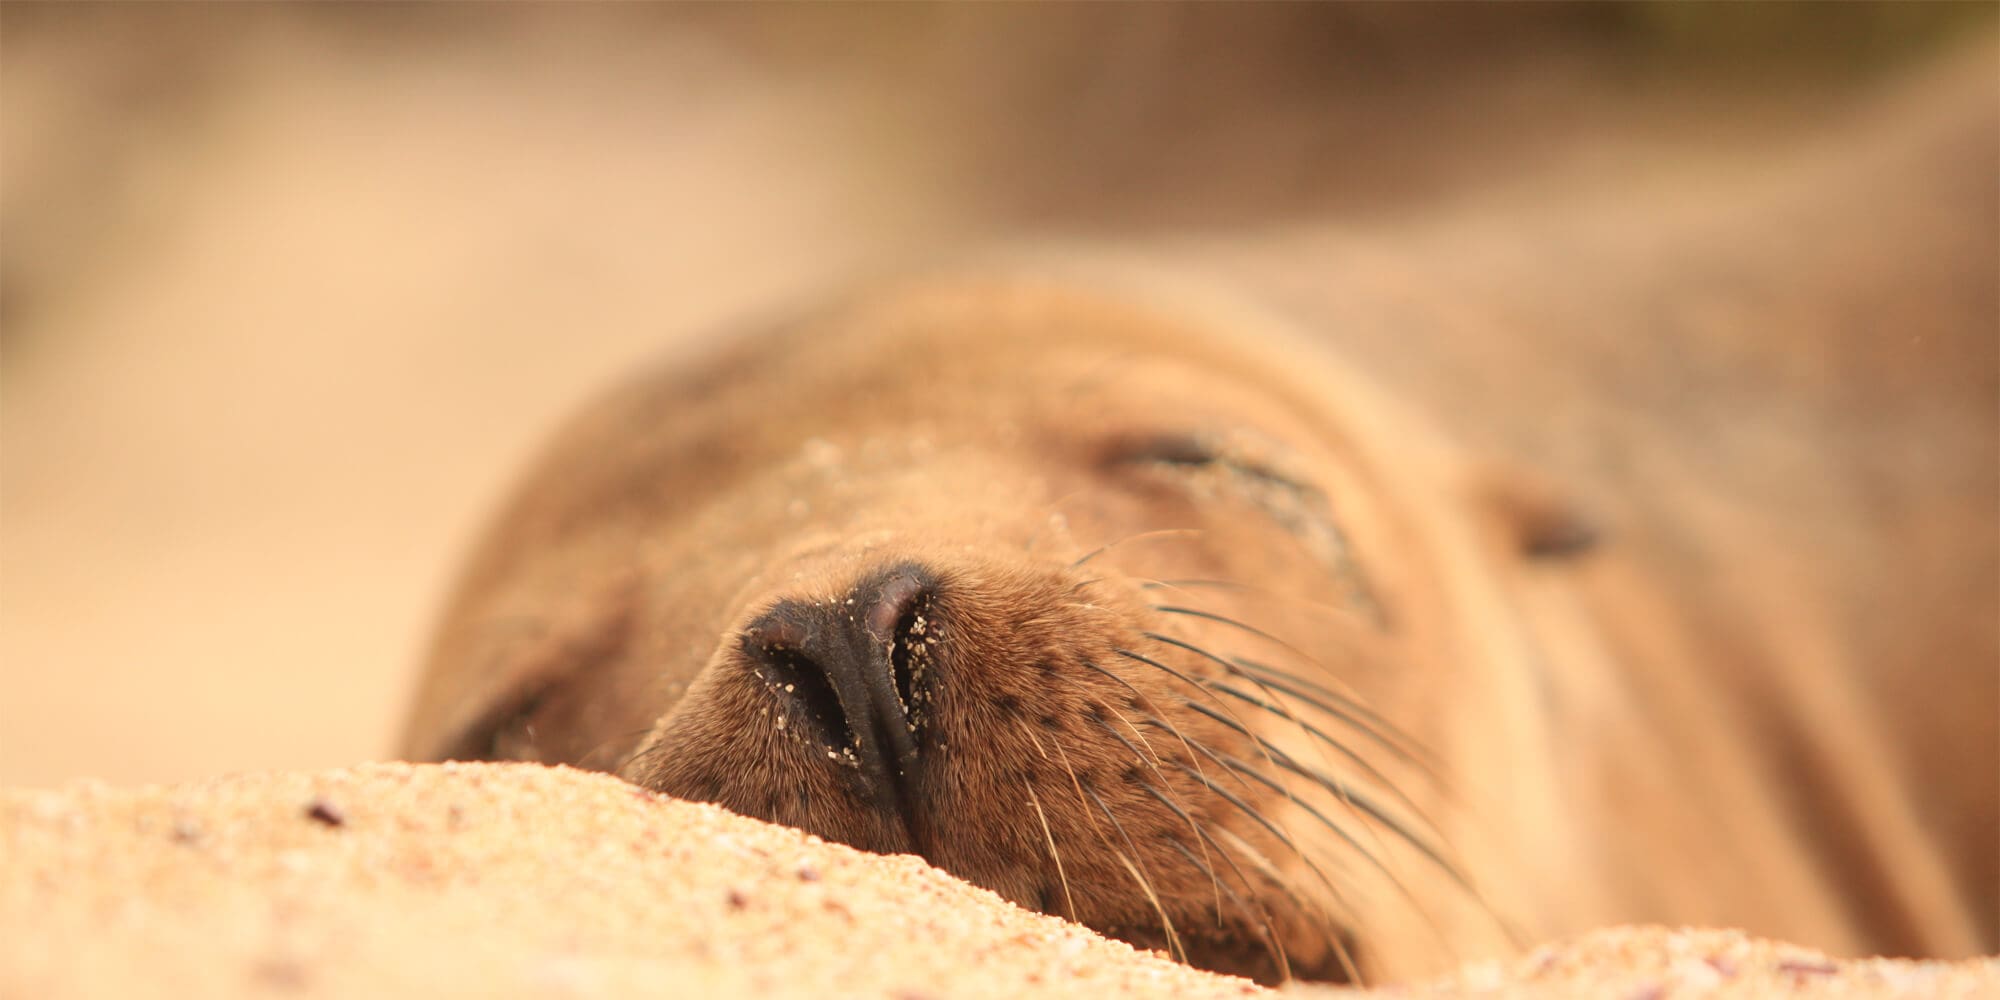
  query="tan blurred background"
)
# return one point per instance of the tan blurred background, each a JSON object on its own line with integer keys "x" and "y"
{"x": 286, "y": 293}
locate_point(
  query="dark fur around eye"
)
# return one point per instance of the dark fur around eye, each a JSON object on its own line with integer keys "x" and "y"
{"x": 1167, "y": 449}
{"x": 1191, "y": 450}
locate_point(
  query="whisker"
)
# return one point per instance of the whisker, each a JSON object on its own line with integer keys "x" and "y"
{"x": 1320, "y": 741}
{"x": 1356, "y": 715}
{"x": 1173, "y": 609}
{"x": 1324, "y": 921}
{"x": 1262, "y": 913}
{"x": 1149, "y": 661}
{"x": 1049, "y": 837}
{"x": 1346, "y": 960}
{"x": 1379, "y": 732}
{"x": 1241, "y": 726}
{"x": 1356, "y": 799}
{"x": 1284, "y": 836}
{"x": 1262, "y": 916}
{"x": 1137, "y": 867}
{"x": 1196, "y": 684}
{"x": 1366, "y": 855}
{"x": 1206, "y": 869}
{"x": 1137, "y": 536}
{"x": 1277, "y": 707}
{"x": 1141, "y": 696}
{"x": 1155, "y": 768}
{"x": 1074, "y": 783}
{"x": 639, "y": 756}
{"x": 1352, "y": 702}
{"x": 1364, "y": 719}
{"x": 1334, "y": 611}
{"x": 1325, "y": 739}
{"x": 1030, "y": 734}
{"x": 583, "y": 762}
{"x": 1340, "y": 789}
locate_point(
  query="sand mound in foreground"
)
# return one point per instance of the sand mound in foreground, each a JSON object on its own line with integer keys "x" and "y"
{"x": 391, "y": 880}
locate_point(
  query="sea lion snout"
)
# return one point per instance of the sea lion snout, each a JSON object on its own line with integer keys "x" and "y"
{"x": 853, "y": 669}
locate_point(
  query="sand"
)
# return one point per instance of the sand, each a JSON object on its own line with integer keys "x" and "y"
{"x": 519, "y": 880}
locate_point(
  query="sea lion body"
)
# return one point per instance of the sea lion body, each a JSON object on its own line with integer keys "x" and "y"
{"x": 1137, "y": 608}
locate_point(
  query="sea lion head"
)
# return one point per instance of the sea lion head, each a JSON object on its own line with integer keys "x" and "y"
{"x": 1118, "y": 606}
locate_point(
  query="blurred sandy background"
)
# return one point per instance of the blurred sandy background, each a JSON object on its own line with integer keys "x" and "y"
{"x": 286, "y": 293}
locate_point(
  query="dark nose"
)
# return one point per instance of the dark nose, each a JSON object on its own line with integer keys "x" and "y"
{"x": 852, "y": 669}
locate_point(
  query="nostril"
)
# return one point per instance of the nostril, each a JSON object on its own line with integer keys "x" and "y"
{"x": 899, "y": 619}
{"x": 775, "y": 648}
{"x": 904, "y": 665}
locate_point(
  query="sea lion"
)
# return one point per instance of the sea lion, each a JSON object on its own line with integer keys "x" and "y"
{"x": 1140, "y": 606}
{"x": 1134, "y": 607}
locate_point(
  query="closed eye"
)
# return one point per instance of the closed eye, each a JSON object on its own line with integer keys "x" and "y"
{"x": 1167, "y": 449}
{"x": 1208, "y": 464}
{"x": 1191, "y": 450}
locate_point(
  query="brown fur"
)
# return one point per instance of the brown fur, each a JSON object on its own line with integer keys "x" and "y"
{"x": 1556, "y": 734}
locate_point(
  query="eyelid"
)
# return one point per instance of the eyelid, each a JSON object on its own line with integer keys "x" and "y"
{"x": 1194, "y": 449}
{"x": 1173, "y": 448}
